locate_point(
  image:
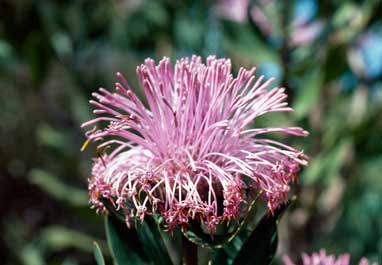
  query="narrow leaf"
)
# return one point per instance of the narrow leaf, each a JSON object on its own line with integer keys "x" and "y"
{"x": 230, "y": 249}
{"x": 52, "y": 185}
{"x": 122, "y": 243}
{"x": 308, "y": 92}
{"x": 152, "y": 241}
{"x": 261, "y": 246}
{"x": 98, "y": 254}
{"x": 148, "y": 236}
{"x": 117, "y": 214}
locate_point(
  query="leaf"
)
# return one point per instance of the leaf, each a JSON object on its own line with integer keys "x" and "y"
{"x": 308, "y": 92}
{"x": 31, "y": 255}
{"x": 328, "y": 163}
{"x": 228, "y": 253}
{"x": 48, "y": 136}
{"x": 152, "y": 241}
{"x": 147, "y": 233}
{"x": 239, "y": 40}
{"x": 57, "y": 238}
{"x": 98, "y": 254}
{"x": 122, "y": 243}
{"x": 112, "y": 210}
{"x": 52, "y": 185}
{"x": 336, "y": 63}
{"x": 261, "y": 246}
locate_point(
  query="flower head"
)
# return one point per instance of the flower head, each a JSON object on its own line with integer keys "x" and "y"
{"x": 187, "y": 153}
{"x": 322, "y": 258}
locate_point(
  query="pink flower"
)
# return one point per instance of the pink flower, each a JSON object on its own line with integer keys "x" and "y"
{"x": 187, "y": 153}
{"x": 235, "y": 10}
{"x": 322, "y": 258}
{"x": 302, "y": 32}
{"x": 305, "y": 34}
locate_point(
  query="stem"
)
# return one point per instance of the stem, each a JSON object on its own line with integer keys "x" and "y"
{"x": 189, "y": 252}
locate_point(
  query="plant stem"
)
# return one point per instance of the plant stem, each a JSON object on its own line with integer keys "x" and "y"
{"x": 189, "y": 252}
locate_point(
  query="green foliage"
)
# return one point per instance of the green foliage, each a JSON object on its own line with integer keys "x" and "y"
{"x": 265, "y": 232}
{"x": 308, "y": 97}
{"x": 152, "y": 242}
{"x": 123, "y": 243}
{"x": 58, "y": 190}
{"x": 98, "y": 254}
{"x": 244, "y": 248}
{"x": 240, "y": 247}
{"x": 141, "y": 244}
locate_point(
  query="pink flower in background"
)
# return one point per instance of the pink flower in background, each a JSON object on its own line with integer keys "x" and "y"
{"x": 188, "y": 153}
{"x": 322, "y": 258}
{"x": 304, "y": 34}
{"x": 235, "y": 10}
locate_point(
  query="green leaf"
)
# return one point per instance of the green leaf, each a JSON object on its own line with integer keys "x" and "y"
{"x": 328, "y": 163}
{"x": 122, "y": 243}
{"x": 31, "y": 255}
{"x": 238, "y": 39}
{"x": 148, "y": 234}
{"x": 98, "y": 254}
{"x": 57, "y": 238}
{"x": 261, "y": 246}
{"x": 52, "y": 185}
{"x": 117, "y": 214}
{"x": 5, "y": 49}
{"x": 308, "y": 92}
{"x": 152, "y": 241}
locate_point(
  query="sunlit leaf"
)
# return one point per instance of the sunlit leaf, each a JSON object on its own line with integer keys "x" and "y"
{"x": 31, "y": 255}
{"x": 308, "y": 92}
{"x": 58, "y": 238}
{"x": 55, "y": 188}
{"x": 327, "y": 164}
{"x": 240, "y": 41}
{"x": 98, "y": 254}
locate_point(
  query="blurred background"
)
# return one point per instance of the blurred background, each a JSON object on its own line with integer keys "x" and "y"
{"x": 54, "y": 53}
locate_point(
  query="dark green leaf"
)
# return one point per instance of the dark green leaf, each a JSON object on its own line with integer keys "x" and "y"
{"x": 152, "y": 241}
{"x": 261, "y": 246}
{"x": 98, "y": 254}
{"x": 112, "y": 210}
{"x": 147, "y": 234}
{"x": 122, "y": 243}
{"x": 308, "y": 92}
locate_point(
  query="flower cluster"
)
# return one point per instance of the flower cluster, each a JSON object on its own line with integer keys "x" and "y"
{"x": 186, "y": 151}
{"x": 322, "y": 258}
